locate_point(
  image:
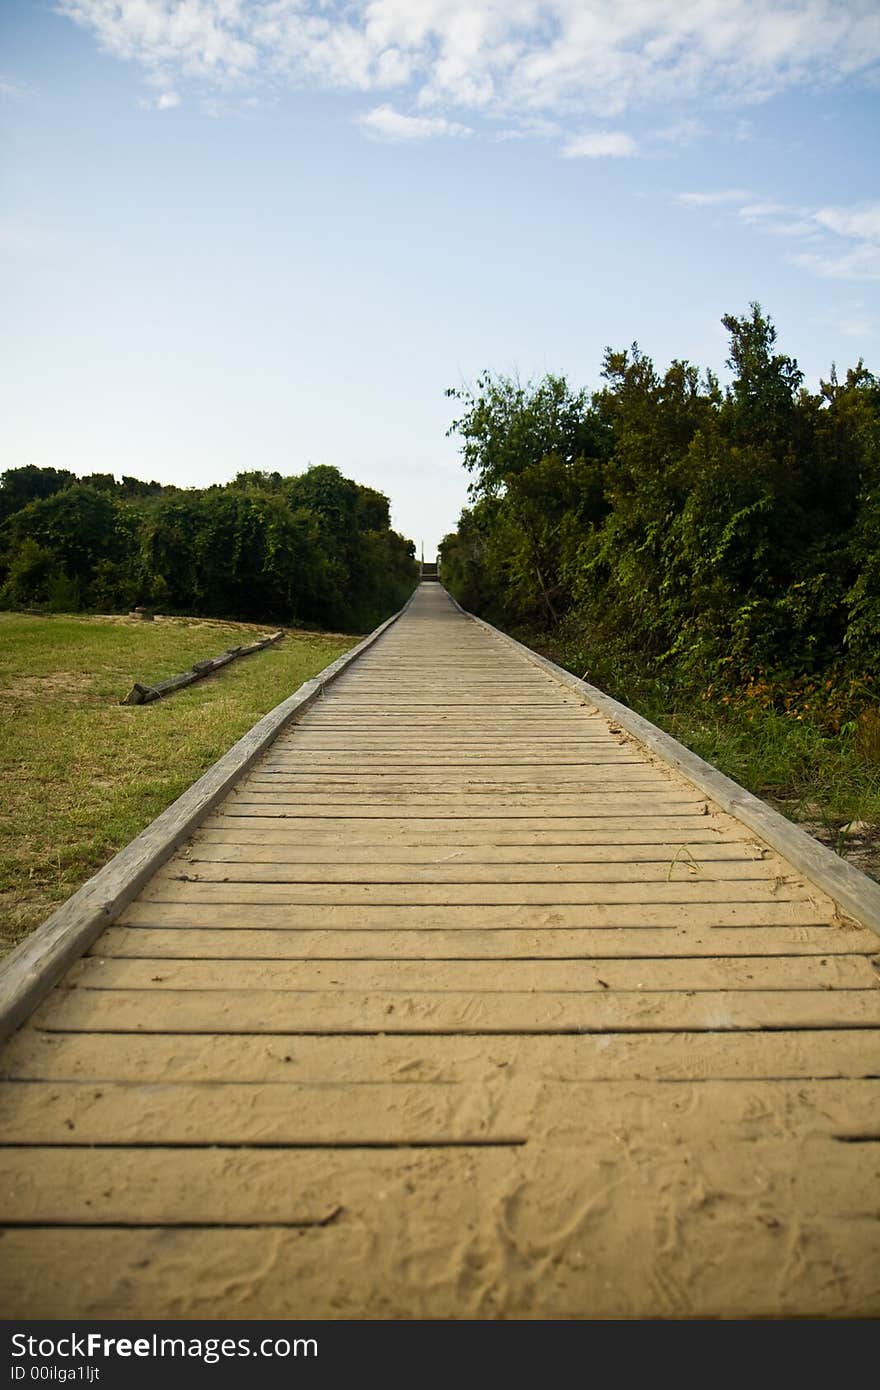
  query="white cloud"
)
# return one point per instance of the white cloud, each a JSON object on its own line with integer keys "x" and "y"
{"x": 388, "y": 124}
{"x": 850, "y": 318}
{"x": 601, "y": 144}
{"x": 682, "y": 133}
{"x": 165, "y": 101}
{"x": 509, "y": 60}
{"x": 195, "y": 38}
{"x": 529, "y": 128}
{"x": 861, "y": 263}
{"x": 825, "y": 227}
{"x": 10, "y": 90}
{"x": 779, "y": 219}
{"x": 717, "y": 198}
{"x": 862, "y": 222}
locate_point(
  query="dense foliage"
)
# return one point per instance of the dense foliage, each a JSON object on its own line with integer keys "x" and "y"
{"x": 315, "y": 549}
{"x": 718, "y": 538}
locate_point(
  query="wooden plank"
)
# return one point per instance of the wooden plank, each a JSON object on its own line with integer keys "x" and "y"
{"x": 626, "y": 779}
{"x": 335, "y": 738}
{"x": 166, "y": 1273}
{"x": 462, "y": 799}
{"x": 166, "y": 1187}
{"x": 451, "y": 694}
{"x": 262, "y": 1187}
{"x": 676, "y": 814}
{"x": 460, "y": 792}
{"x": 537, "y": 918}
{"x": 34, "y": 1055}
{"x": 324, "y": 741}
{"x": 115, "y": 1113}
{"x": 435, "y": 688}
{"x": 331, "y": 1272}
{"x": 429, "y": 830}
{"x": 221, "y": 847}
{"x": 163, "y": 888}
{"x": 444, "y": 735}
{"x": 385, "y": 789}
{"x": 414, "y": 1112}
{"x": 529, "y": 719}
{"x": 388, "y": 762}
{"x": 400, "y": 706}
{"x": 511, "y": 698}
{"x": 230, "y": 942}
{"x": 275, "y": 870}
{"x": 743, "y": 972}
{"x": 297, "y": 1012}
{"x": 336, "y": 747}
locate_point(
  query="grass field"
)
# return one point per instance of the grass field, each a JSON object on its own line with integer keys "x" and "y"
{"x": 828, "y": 783}
{"x": 82, "y": 774}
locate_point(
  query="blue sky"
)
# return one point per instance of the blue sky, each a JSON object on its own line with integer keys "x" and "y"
{"x": 262, "y": 233}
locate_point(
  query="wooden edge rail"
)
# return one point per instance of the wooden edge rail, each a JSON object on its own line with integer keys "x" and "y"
{"x": 854, "y": 892}
{"x": 30, "y": 971}
{"x": 145, "y": 694}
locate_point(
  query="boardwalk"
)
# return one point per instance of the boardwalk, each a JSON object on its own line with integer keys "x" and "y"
{"x": 459, "y": 1005}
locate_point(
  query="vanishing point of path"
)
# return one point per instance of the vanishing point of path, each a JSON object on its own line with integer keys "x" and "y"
{"x": 461, "y": 1004}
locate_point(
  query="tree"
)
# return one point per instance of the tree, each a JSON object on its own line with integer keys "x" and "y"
{"x": 766, "y": 384}
{"x": 19, "y": 486}
{"x": 506, "y": 426}
{"x": 706, "y": 533}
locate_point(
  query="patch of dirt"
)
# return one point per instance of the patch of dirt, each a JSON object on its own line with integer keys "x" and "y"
{"x": 263, "y": 629}
{"x": 859, "y": 846}
{"x": 861, "y": 849}
{"x": 75, "y": 683}
{"x": 123, "y": 620}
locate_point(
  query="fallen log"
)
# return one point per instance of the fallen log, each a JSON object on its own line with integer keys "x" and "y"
{"x": 144, "y": 694}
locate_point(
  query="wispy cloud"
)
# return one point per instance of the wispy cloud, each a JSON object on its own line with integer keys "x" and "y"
{"x": 744, "y": 130}
{"x": 843, "y": 242}
{"x": 862, "y": 221}
{"x": 861, "y": 262}
{"x": 600, "y": 144}
{"x": 165, "y": 101}
{"x": 10, "y": 90}
{"x": 682, "y": 133}
{"x": 851, "y": 320}
{"x": 387, "y": 124}
{"x": 716, "y": 198}
{"x": 779, "y": 219}
{"x": 511, "y": 61}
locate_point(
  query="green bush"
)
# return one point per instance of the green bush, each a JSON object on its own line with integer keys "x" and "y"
{"x": 315, "y": 549}
{"x": 667, "y": 530}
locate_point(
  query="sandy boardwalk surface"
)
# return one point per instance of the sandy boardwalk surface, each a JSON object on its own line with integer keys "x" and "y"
{"x": 459, "y": 1005}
